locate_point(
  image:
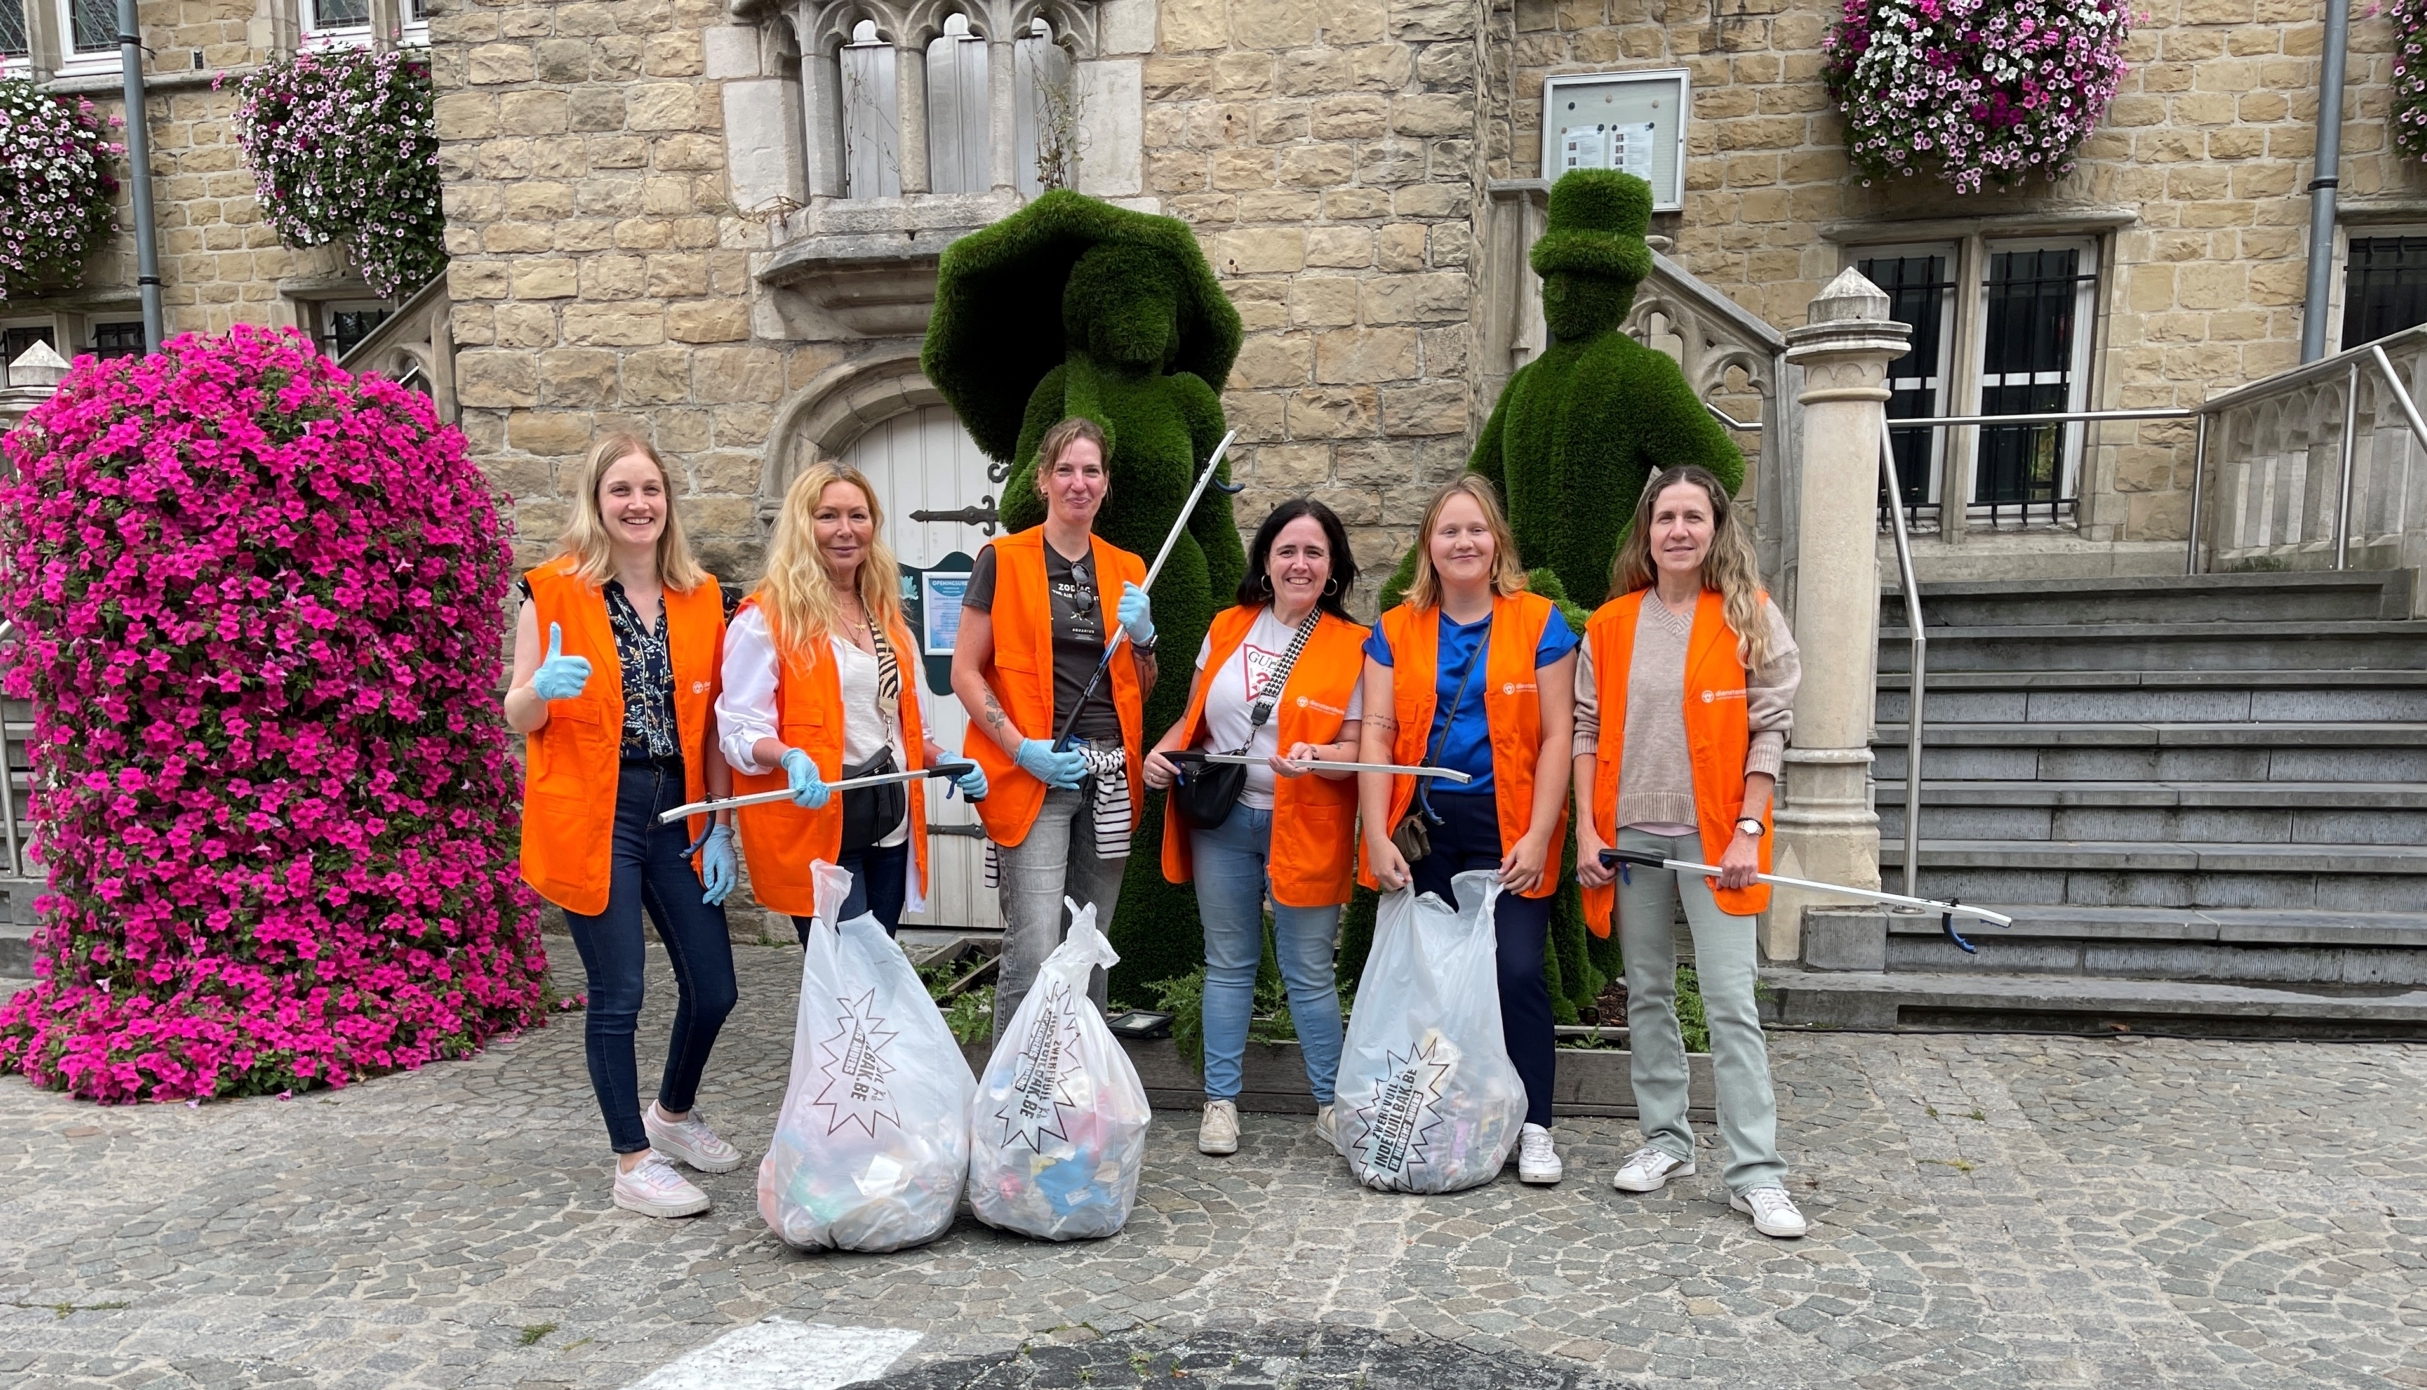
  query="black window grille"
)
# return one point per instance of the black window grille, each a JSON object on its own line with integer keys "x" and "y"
{"x": 93, "y": 25}
{"x": 2027, "y": 367}
{"x": 2384, "y": 287}
{"x": 13, "y": 41}
{"x": 1918, "y": 288}
{"x": 16, "y": 340}
{"x": 118, "y": 339}
{"x": 348, "y": 327}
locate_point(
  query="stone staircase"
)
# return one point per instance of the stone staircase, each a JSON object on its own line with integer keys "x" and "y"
{"x": 2203, "y": 800}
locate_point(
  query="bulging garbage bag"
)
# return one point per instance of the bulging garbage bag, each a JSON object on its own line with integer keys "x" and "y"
{"x": 1058, "y": 1125}
{"x": 1428, "y": 1099}
{"x": 872, "y": 1144}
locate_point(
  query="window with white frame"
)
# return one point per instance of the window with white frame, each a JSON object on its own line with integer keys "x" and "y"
{"x": 88, "y": 36}
{"x": 335, "y": 23}
{"x": 2000, "y": 327}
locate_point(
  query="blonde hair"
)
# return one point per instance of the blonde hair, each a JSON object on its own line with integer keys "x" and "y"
{"x": 1070, "y": 431}
{"x": 586, "y": 537}
{"x": 796, "y": 593}
{"x": 1508, "y": 575}
{"x": 1729, "y": 566}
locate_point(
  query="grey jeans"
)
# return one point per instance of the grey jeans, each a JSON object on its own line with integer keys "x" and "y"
{"x": 1057, "y": 858}
{"x": 1725, "y": 957}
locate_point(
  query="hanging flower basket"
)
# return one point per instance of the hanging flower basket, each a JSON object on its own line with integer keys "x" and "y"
{"x": 55, "y": 187}
{"x": 260, "y": 606}
{"x": 344, "y": 143}
{"x": 1977, "y": 91}
{"x": 2409, "y": 76}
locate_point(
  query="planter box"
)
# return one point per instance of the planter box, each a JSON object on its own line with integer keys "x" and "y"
{"x": 1592, "y": 1082}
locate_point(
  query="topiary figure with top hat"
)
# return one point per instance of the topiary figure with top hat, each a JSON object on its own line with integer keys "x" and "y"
{"x": 1072, "y": 306}
{"x": 1576, "y": 434}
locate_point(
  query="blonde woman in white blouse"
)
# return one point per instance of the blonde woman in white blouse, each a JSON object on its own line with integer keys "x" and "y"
{"x": 820, "y": 684}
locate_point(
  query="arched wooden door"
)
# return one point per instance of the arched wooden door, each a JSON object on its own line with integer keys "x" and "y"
{"x": 924, "y": 462}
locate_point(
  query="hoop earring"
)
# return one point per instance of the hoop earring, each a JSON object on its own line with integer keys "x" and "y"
{"x": 1330, "y": 587}
{"x": 1267, "y": 581}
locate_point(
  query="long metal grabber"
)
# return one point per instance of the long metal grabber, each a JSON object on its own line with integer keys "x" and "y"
{"x": 1947, "y": 911}
{"x": 1394, "y": 769}
{"x": 1178, "y": 524}
{"x": 852, "y": 784}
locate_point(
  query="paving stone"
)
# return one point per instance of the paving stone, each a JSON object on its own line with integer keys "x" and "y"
{"x": 2157, "y": 1213}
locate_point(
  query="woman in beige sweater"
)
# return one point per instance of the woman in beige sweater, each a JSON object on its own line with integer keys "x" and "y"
{"x": 1684, "y": 694}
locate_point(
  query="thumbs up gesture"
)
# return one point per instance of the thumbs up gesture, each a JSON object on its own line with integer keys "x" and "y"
{"x": 560, "y": 677}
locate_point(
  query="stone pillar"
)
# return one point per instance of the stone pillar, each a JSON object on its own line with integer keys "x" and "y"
{"x": 910, "y": 114}
{"x": 1826, "y": 828}
{"x": 1002, "y": 115}
{"x": 32, "y": 379}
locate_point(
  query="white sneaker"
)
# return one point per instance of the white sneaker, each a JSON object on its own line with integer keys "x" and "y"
{"x": 652, "y": 1188}
{"x": 689, "y": 1140}
{"x": 1537, "y": 1161}
{"x": 1218, "y": 1132}
{"x": 1773, "y": 1212}
{"x": 1648, "y": 1170}
{"x": 1327, "y": 1125}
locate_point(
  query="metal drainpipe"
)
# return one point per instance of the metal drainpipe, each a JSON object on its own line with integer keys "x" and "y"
{"x": 139, "y": 173}
{"x": 2322, "y": 185}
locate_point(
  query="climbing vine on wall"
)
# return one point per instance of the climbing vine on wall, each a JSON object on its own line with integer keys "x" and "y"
{"x": 344, "y": 143}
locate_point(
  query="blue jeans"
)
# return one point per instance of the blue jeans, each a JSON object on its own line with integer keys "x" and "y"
{"x": 1231, "y": 885}
{"x": 879, "y": 885}
{"x": 1469, "y": 838}
{"x": 651, "y": 873}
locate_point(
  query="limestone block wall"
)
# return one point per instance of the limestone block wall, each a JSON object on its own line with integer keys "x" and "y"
{"x": 1327, "y": 157}
{"x": 2203, "y": 160}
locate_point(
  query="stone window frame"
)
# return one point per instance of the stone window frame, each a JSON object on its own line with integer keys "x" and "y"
{"x": 2338, "y": 304}
{"x": 1974, "y": 243}
{"x": 48, "y": 24}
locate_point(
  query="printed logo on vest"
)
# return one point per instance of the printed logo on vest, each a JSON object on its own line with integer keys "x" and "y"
{"x": 1400, "y": 1119}
{"x": 1033, "y": 1112}
{"x": 1304, "y": 703}
{"x": 855, "y": 1070}
{"x": 699, "y": 687}
{"x": 1709, "y": 695}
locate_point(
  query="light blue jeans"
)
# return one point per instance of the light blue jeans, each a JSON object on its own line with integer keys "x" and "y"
{"x": 1232, "y": 884}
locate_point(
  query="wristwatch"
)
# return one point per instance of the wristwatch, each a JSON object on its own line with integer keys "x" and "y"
{"x": 1749, "y": 826}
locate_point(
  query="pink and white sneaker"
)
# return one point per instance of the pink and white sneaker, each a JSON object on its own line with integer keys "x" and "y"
{"x": 689, "y": 1140}
{"x": 652, "y": 1188}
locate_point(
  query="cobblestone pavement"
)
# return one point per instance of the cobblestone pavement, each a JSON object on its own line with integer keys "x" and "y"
{"x": 1989, "y": 1211}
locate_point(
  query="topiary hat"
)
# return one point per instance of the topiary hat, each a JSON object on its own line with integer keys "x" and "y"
{"x": 1597, "y": 221}
{"x": 998, "y": 325}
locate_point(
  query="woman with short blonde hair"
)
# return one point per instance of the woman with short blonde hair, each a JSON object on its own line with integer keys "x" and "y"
{"x": 604, "y": 758}
{"x": 821, "y": 684}
{"x": 1685, "y": 694}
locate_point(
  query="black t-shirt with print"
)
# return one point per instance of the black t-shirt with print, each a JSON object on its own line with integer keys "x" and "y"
{"x": 1078, "y": 639}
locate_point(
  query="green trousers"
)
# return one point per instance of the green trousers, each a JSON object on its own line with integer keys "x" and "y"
{"x": 1725, "y": 957}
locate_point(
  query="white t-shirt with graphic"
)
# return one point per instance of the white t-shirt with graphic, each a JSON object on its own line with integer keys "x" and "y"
{"x": 1231, "y": 696}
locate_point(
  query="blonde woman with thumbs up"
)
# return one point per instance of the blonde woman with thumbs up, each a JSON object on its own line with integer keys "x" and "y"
{"x": 618, "y": 706}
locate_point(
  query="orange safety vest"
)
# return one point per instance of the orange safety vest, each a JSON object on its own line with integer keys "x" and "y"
{"x": 572, "y": 763}
{"x": 1717, "y": 734}
{"x": 1021, "y": 676}
{"x": 1313, "y": 857}
{"x": 1512, "y": 706}
{"x": 779, "y": 839}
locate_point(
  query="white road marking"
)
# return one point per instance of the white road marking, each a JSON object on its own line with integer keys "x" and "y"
{"x": 778, "y": 1354}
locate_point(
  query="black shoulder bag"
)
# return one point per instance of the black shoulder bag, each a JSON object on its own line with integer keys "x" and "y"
{"x": 871, "y": 813}
{"x": 1412, "y": 836}
{"x": 1206, "y": 791}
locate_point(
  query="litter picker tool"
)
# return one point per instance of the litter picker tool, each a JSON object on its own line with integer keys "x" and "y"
{"x": 1179, "y": 524}
{"x": 1947, "y": 911}
{"x": 1394, "y": 769}
{"x": 948, "y": 768}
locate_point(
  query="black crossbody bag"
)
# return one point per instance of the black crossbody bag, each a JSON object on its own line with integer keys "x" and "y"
{"x": 1413, "y": 835}
{"x": 871, "y": 813}
{"x": 1205, "y": 792}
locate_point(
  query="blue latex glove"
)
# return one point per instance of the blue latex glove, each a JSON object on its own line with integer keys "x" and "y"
{"x": 972, "y": 783}
{"x": 717, "y": 869}
{"x": 1058, "y": 770}
{"x": 808, "y": 789}
{"x": 559, "y": 677}
{"x": 1137, "y": 614}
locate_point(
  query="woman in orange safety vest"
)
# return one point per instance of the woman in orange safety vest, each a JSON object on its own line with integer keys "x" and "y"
{"x": 821, "y": 684}
{"x": 616, "y": 705}
{"x": 1280, "y": 677}
{"x": 1474, "y": 673}
{"x": 1035, "y": 619}
{"x": 1684, "y": 697}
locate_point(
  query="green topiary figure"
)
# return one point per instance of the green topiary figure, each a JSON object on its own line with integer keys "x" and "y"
{"x": 1576, "y": 434}
{"x": 1072, "y": 306}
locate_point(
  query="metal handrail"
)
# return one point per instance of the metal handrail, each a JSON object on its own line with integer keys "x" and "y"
{"x": 1748, "y": 426}
{"x": 1919, "y": 660}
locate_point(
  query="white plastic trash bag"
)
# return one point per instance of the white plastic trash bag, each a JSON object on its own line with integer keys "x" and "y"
{"x": 873, "y": 1141}
{"x": 1428, "y": 1100}
{"x": 1058, "y": 1125}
